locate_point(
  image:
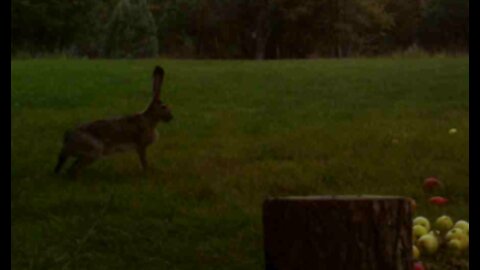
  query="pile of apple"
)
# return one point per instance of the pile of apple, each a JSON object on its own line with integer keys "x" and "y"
{"x": 444, "y": 234}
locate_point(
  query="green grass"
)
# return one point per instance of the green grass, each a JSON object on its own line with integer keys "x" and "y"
{"x": 243, "y": 130}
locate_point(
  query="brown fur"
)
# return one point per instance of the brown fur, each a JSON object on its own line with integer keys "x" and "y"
{"x": 91, "y": 141}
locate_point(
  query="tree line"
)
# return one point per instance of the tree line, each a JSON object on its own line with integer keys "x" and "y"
{"x": 247, "y": 29}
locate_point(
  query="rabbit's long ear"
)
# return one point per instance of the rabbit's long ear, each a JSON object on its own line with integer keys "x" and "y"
{"x": 158, "y": 74}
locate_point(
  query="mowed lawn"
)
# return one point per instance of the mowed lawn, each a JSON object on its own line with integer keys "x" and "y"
{"x": 242, "y": 131}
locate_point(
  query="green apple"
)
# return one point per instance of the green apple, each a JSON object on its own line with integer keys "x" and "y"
{"x": 458, "y": 234}
{"x": 422, "y": 221}
{"x": 465, "y": 242}
{"x": 419, "y": 231}
{"x": 443, "y": 223}
{"x": 454, "y": 233}
{"x": 462, "y": 224}
{"x": 428, "y": 244}
{"x": 455, "y": 246}
{"x": 416, "y": 252}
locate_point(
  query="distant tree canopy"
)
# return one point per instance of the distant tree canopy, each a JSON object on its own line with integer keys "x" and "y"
{"x": 237, "y": 28}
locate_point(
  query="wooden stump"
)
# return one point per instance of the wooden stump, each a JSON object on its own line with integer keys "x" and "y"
{"x": 338, "y": 232}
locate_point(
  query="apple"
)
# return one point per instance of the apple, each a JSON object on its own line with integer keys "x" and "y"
{"x": 428, "y": 244}
{"x": 454, "y": 233}
{"x": 463, "y": 239}
{"x": 462, "y": 224}
{"x": 465, "y": 242}
{"x": 415, "y": 252}
{"x": 431, "y": 183}
{"x": 422, "y": 221}
{"x": 460, "y": 235}
{"x": 438, "y": 200}
{"x": 455, "y": 245}
{"x": 419, "y": 231}
{"x": 452, "y": 131}
{"x": 443, "y": 223}
{"x": 418, "y": 266}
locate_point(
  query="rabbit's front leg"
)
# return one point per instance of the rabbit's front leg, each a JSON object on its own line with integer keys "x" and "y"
{"x": 142, "y": 154}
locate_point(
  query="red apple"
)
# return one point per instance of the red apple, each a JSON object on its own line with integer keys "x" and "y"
{"x": 431, "y": 183}
{"x": 438, "y": 200}
{"x": 418, "y": 266}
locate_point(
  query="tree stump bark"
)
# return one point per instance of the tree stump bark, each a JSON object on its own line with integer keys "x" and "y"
{"x": 338, "y": 232}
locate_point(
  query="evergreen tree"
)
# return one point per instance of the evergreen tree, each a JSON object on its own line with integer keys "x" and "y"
{"x": 131, "y": 31}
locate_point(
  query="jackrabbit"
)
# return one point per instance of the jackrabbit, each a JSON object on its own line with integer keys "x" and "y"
{"x": 91, "y": 141}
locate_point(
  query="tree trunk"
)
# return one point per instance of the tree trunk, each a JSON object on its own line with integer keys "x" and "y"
{"x": 263, "y": 29}
{"x": 344, "y": 232}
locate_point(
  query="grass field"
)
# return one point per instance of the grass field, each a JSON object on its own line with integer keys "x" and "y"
{"x": 242, "y": 130}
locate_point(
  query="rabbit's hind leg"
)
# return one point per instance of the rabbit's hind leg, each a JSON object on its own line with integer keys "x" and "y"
{"x": 62, "y": 157}
{"x": 79, "y": 164}
{"x": 87, "y": 149}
